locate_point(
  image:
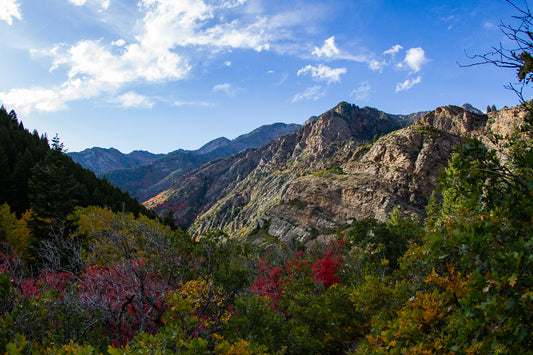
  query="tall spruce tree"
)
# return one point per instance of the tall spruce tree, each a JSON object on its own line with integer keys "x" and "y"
{"x": 53, "y": 195}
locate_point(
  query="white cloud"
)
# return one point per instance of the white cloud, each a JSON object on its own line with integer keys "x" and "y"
{"x": 323, "y": 73}
{"x": 170, "y": 23}
{"x": 167, "y": 29}
{"x": 227, "y": 63}
{"x": 406, "y": 85}
{"x": 312, "y": 93}
{"x": 10, "y": 9}
{"x": 394, "y": 50}
{"x": 362, "y": 93}
{"x": 50, "y": 99}
{"x": 103, "y": 3}
{"x": 414, "y": 59}
{"x": 133, "y": 100}
{"x": 376, "y": 65}
{"x": 328, "y": 50}
{"x": 227, "y": 88}
{"x": 118, "y": 43}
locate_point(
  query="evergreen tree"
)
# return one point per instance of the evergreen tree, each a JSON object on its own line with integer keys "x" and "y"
{"x": 53, "y": 194}
{"x": 4, "y": 175}
{"x": 20, "y": 177}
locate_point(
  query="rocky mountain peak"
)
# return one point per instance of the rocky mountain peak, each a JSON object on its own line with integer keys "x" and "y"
{"x": 232, "y": 193}
{"x": 345, "y": 121}
{"x": 454, "y": 120}
{"x": 470, "y": 108}
{"x": 344, "y": 108}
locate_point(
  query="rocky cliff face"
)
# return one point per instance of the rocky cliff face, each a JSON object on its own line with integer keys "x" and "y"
{"x": 332, "y": 171}
{"x": 398, "y": 170}
{"x": 233, "y": 193}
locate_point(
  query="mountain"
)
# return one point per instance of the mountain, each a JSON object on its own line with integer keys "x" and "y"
{"x": 348, "y": 164}
{"x": 214, "y": 144}
{"x": 234, "y": 192}
{"x": 147, "y": 180}
{"x": 470, "y": 108}
{"x": 100, "y": 160}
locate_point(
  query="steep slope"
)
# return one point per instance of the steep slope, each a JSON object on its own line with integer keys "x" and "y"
{"x": 398, "y": 170}
{"x": 146, "y": 181}
{"x": 141, "y": 180}
{"x": 100, "y": 160}
{"x": 323, "y": 176}
{"x": 26, "y": 157}
{"x": 234, "y": 192}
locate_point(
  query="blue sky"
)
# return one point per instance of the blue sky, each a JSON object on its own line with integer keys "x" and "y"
{"x": 159, "y": 75}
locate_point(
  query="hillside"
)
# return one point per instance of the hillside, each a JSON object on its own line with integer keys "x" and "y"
{"x": 26, "y": 159}
{"x": 147, "y": 180}
{"x": 232, "y": 193}
{"x": 325, "y": 175}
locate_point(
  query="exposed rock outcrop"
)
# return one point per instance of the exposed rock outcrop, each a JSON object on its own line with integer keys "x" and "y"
{"x": 332, "y": 171}
{"x": 233, "y": 193}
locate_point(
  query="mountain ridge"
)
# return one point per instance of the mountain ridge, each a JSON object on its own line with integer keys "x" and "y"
{"x": 146, "y": 180}
{"x": 339, "y": 167}
{"x": 305, "y": 149}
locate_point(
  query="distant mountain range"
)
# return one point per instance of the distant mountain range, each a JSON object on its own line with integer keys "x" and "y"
{"x": 100, "y": 160}
{"x": 144, "y": 174}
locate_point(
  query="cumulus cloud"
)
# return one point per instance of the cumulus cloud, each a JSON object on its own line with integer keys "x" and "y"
{"x": 103, "y": 3}
{"x": 312, "y": 93}
{"x": 170, "y": 23}
{"x": 323, "y": 73}
{"x": 394, "y": 50}
{"x": 376, "y": 65}
{"x": 10, "y": 9}
{"x": 415, "y": 58}
{"x": 407, "y": 84}
{"x": 52, "y": 99}
{"x": 362, "y": 93}
{"x": 227, "y": 88}
{"x": 168, "y": 28}
{"x": 328, "y": 50}
{"x": 118, "y": 43}
{"x": 133, "y": 100}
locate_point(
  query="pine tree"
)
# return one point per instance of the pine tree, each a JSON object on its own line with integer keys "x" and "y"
{"x": 53, "y": 194}
{"x": 19, "y": 182}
